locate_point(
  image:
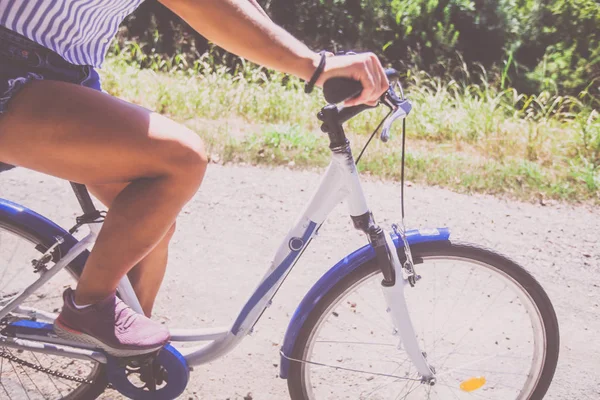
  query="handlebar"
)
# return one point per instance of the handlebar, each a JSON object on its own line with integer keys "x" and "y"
{"x": 337, "y": 90}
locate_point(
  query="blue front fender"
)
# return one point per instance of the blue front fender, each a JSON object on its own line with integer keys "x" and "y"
{"x": 41, "y": 227}
{"x": 336, "y": 274}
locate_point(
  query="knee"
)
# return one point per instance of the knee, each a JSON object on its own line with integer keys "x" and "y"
{"x": 192, "y": 159}
{"x": 186, "y": 157}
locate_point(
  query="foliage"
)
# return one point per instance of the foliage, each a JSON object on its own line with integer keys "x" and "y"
{"x": 533, "y": 45}
{"x": 464, "y": 133}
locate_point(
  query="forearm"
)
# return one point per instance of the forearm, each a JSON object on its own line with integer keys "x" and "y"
{"x": 239, "y": 27}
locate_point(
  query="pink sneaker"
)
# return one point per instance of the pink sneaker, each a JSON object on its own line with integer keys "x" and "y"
{"x": 110, "y": 325}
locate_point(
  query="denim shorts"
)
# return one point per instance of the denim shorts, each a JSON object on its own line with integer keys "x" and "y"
{"x": 22, "y": 60}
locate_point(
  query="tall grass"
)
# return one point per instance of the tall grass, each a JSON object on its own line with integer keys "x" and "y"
{"x": 467, "y": 132}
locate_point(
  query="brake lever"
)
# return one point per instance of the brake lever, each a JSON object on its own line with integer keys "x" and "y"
{"x": 401, "y": 107}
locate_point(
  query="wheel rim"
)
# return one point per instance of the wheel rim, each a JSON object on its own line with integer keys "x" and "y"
{"x": 505, "y": 319}
{"x": 18, "y": 381}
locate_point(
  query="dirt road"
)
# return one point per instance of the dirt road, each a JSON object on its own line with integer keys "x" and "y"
{"x": 229, "y": 231}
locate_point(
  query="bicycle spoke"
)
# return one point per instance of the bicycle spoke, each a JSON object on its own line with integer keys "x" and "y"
{"x": 8, "y": 264}
{"x": 387, "y": 321}
{"x": 457, "y": 299}
{"x": 390, "y": 325}
{"x": 5, "y": 391}
{"x": 470, "y": 323}
{"x": 55, "y": 385}
{"x": 433, "y": 318}
{"x": 27, "y": 374}
{"x": 388, "y": 383}
{"x": 461, "y": 340}
{"x": 410, "y": 365}
{"x": 450, "y": 370}
{"x": 32, "y": 381}
{"x": 1, "y": 369}
{"x": 451, "y": 389}
{"x": 19, "y": 379}
{"x": 349, "y": 342}
{"x": 349, "y": 329}
{"x": 40, "y": 363}
{"x": 454, "y": 389}
{"x": 353, "y": 370}
{"x": 410, "y": 390}
{"x": 479, "y": 371}
{"x": 37, "y": 375}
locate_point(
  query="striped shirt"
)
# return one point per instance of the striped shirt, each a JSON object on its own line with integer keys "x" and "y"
{"x": 78, "y": 30}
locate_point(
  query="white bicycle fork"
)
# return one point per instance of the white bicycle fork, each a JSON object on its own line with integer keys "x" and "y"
{"x": 398, "y": 310}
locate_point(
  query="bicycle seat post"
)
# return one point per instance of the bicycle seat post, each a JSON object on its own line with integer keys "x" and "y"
{"x": 85, "y": 201}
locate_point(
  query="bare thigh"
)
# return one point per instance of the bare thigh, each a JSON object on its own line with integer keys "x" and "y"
{"x": 85, "y": 136}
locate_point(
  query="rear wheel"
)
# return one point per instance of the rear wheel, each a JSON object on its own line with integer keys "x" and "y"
{"x": 33, "y": 375}
{"x": 485, "y": 324}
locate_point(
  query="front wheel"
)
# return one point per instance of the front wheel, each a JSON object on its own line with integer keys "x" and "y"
{"x": 484, "y": 323}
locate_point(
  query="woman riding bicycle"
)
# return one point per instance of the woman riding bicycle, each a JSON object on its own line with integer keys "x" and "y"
{"x": 55, "y": 119}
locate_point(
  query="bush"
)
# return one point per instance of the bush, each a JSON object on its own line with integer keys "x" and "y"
{"x": 532, "y": 45}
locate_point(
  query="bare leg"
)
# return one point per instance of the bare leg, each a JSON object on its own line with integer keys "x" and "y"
{"x": 146, "y": 277}
{"x": 85, "y": 136}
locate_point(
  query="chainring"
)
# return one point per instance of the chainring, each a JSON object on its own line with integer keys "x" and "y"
{"x": 169, "y": 363}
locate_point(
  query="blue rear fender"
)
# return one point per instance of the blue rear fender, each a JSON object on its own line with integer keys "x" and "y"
{"x": 344, "y": 267}
{"x": 40, "y": 226}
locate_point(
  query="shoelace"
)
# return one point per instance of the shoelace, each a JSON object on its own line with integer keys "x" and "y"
{"x": 128, "y": 319}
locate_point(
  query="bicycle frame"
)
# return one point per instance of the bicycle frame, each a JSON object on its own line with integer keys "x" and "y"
{"x": 340, "y": 182}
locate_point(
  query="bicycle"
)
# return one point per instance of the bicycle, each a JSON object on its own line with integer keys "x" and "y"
{"x": 346, "y": 339}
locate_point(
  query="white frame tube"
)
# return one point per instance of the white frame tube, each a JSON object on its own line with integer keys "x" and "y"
{"x": 331, "y": 191}
{"x": 79, "y": 248}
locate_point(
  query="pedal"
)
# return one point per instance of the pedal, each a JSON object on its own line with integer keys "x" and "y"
{"x": 164, "y": 373}
{"x": 146, "y": 366}
{"x": 137, "y": 361}
{"x": 153, "y": 374}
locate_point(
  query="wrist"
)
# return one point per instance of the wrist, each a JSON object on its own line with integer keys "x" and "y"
{"x": 309, "y": 65}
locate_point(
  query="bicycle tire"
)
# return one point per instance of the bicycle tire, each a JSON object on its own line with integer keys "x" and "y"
{"x": 297, "y": 384}
{"x": 98, "y": 374}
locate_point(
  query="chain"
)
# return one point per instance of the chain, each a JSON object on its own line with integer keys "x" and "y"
{"x": 10, "y": 357}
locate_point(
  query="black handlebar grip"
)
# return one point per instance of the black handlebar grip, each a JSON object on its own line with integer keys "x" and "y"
{"x": 337, "y": 90}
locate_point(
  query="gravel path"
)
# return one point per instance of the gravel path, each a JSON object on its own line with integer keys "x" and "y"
{"x": 209, "y": 279}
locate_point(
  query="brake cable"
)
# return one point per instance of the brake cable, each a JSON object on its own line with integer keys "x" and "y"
{"x": 371, "y": 138}
{"x": 402, "y": 158}
{"x": 402, "y": 167}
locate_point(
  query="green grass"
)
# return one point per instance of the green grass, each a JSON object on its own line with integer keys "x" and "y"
{"x": 467, "y": 135}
